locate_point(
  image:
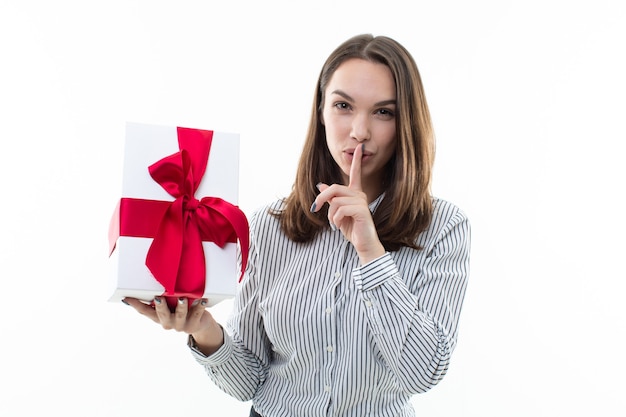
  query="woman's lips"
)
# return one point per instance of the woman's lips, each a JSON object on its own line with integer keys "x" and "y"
{"x": 350, "y": 155}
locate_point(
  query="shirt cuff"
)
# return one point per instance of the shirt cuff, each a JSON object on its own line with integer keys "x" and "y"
{"x": 219, "y": 357}
{"x": 375, "y": 273}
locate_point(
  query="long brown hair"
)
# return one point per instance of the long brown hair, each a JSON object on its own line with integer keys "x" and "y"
{"x": 406, "y": 208}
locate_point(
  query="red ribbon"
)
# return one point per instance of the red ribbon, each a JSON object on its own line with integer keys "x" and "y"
{"x": 178, "y": 228}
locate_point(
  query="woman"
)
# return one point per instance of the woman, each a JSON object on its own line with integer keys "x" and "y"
{"x": 355, "y": 282}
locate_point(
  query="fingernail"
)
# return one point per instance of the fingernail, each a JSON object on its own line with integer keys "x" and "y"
{"x": 333, "y": 227}
{"x": 318, "y": 185}
{"x": 195, "y": 302}
{"x": 157, "y": 300}
{"x": 204, "y": 302}
{"x": 313, "y": 206}
{"x": 181, "y": 300}
{"x": 362, "y": 149}
{"x": 125, "y": 302}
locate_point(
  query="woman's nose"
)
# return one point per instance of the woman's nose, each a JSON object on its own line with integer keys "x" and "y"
{"x": 360, "y": 128}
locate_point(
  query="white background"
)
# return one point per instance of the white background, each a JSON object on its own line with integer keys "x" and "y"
{"x": 528, "y": 101}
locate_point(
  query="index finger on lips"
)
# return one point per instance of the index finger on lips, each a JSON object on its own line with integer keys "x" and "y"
{"x": 355, "y": 168}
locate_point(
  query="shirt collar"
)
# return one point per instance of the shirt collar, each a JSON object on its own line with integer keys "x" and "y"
{"x": 374, "y": 204}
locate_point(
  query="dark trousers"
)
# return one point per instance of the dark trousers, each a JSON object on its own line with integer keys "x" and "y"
{"x": 253, "y": 413}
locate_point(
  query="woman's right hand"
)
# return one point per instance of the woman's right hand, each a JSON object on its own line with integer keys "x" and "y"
{"x": 195, "y": 320}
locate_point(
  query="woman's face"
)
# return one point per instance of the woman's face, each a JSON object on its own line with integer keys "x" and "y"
{"x": 360, "y": 108}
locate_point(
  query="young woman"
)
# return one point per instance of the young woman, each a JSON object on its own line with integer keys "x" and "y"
{"x": 355, "y": 281}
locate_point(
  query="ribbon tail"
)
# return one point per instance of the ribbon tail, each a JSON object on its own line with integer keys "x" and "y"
{"x": 239, "y": 223}
{"x": 242, "y": 229}
{"x": 192, "y": 269}
{"x": 165, "y": 252}
{"x": 114, "y": 228}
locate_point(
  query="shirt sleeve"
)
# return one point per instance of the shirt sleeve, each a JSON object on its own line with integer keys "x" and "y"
{"x": 239, "y": 367}
{"x": 414, "y": 317}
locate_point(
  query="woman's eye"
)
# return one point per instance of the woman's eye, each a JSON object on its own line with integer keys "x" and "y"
{"x": 342, "y": 105}
{"x": 386, "y": 113}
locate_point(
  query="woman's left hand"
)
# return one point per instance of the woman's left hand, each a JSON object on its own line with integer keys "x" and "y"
{"x": 349, "y": 211}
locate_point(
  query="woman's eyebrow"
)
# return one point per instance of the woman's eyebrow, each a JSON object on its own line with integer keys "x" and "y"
{"x": 343, "y": 94}
{"x": 349, "y": 98}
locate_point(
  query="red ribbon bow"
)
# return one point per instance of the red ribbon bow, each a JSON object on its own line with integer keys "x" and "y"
{"x": 176, "y": 257}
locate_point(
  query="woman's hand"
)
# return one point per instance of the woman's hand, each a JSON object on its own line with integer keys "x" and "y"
{"x": 194, "y": 320}
{"x": 349, "y": 211}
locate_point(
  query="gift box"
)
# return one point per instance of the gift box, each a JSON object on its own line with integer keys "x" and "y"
{"x": 176, "y": 227}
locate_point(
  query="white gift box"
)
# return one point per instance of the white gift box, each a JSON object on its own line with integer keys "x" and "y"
{"x": 146, "y": 144}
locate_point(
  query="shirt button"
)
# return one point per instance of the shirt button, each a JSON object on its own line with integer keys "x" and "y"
{"x": 337, "y": 274}
{"x": 329, "y": 348}
{"x": 368, "y": 303}
{"x": 327, "y": 388}
{"x": 328, "y": 310}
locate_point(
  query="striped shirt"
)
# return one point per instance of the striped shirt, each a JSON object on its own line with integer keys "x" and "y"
{"x": 314, "y": 333}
